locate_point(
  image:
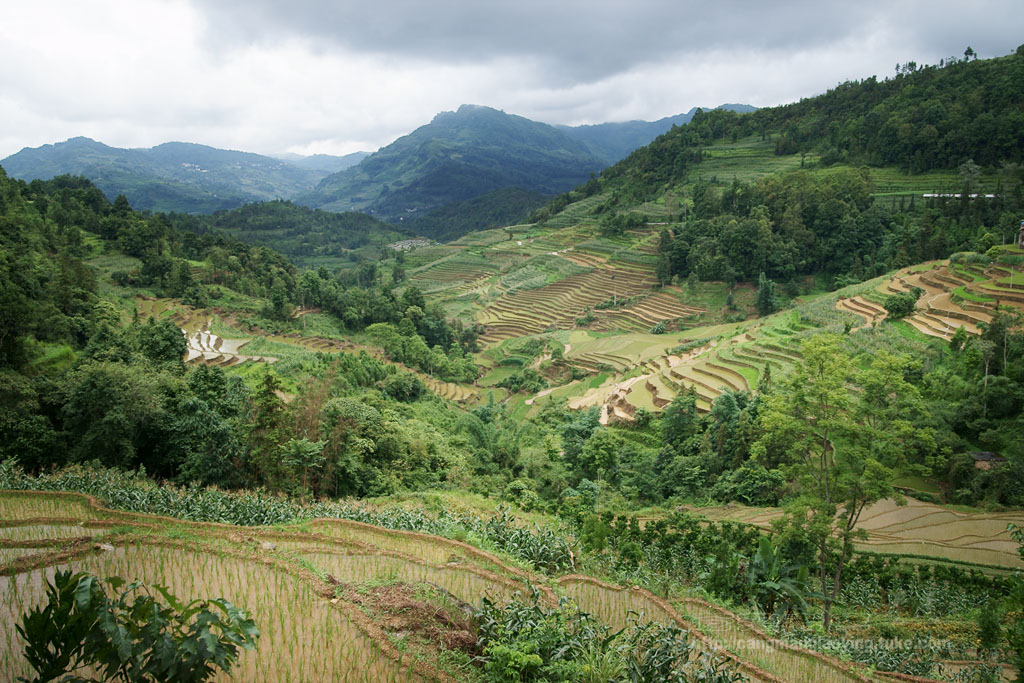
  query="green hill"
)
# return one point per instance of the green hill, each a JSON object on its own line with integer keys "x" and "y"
{"x": 174, "y": 176}
{"x": 497, "y": 208}
{"x": 457, "y": 156}
{"x": 819, "y": 187}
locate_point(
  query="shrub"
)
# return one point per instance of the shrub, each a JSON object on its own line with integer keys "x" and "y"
{"x": 132, "y": 638}
{"x": 903, "y": 304}
{"x": 525, "y": 642}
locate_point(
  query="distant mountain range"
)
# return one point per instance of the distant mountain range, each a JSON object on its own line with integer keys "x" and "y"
{"x": 174, "y": 176}
{"x": 473, "y": 153}
{"x": 612, "y": 142}
{"x": 464, "y": 170}
{"x": 323, "y": 162}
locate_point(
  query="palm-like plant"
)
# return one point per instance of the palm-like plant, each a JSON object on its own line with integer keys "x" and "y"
{"x": 778, "y": 588}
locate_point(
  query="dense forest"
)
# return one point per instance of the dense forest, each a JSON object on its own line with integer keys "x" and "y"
{"x": 300, "y": 233}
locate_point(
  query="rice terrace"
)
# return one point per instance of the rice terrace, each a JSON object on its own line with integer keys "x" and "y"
{"x": 508, "y": 402}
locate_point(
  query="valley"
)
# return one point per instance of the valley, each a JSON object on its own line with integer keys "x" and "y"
{"x": 744, "y": 405}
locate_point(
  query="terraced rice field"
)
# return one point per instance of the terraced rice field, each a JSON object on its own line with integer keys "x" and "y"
{"x": 453, "y": 276}
{"x": 652, "y": 309}
{"x": 645, "y": 375}
{"x": 954, "y": 297}
{"x": 203, "y": 346}
{"x": 556, "y": 306}
{"x": 917, "y": 528}
{"x": 757, "y": 655}
{"x": 307, "y": 632}
{"x": 460, "y": 393}
{"x": 285, "y": 577}
{"x": 871, "y": 312}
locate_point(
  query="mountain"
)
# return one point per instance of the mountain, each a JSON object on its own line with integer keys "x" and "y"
{"x": 174, "y": 176}
{"x": 457, "y": 156}
{"x": 323, "y": 162}
{"x": 613, "y": 141}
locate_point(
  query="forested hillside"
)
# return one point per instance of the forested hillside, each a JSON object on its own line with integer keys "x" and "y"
{"x": 852, "y": 164}
{"x": 306, "y": 236}
{"x": 613, "y": 142}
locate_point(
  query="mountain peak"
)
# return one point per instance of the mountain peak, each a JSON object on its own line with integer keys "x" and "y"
{"x": 79, "y": 141}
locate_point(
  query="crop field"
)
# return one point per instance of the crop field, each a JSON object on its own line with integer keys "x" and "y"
{"x": 758, "y": 656}
{"x": 751, "y": 158}
{"x": 554, "y": 281}
{"x": 556, "y": 306}
{"x": 454, "y": 275}
{"x": 954, "y": 297}
{"x": 302, "y": 583}
{"x": 917, "y": 528}
{"x": 745, "y": 160}
{"x": 284, "y": 578}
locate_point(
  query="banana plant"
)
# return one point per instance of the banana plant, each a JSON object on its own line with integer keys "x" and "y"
{"x": 779, "y": 589}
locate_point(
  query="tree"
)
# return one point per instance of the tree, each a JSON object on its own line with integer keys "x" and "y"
{"x": 161, "y": 341}
{"x": 680, "y": 419}
{"x": 766, "y": 301}
{"x": 303, "y": 454}
{"x": 134, "y": 637}
{"x": 810, "y": 417}
{"x": 778, "y": 587}
{"x": 902, "y": 304}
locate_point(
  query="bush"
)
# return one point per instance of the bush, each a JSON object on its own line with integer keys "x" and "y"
{"x": 903, "y": 304}
{"x": 402, "y": 386}
{"x": 546, "y": 550}
{"x": 132, "y": 638}
{"x": 521, "y": 642}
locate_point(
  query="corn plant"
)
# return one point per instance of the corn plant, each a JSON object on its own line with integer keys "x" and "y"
{"x": 545, "y": 549}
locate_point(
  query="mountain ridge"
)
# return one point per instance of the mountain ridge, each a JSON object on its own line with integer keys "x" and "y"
{"x": 455, "y": 157}
{"x": 614, "y": 140}
{"x": 173, "y": 176}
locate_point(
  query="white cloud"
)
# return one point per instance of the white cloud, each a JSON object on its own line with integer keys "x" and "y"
{"x": 341, "y": 77}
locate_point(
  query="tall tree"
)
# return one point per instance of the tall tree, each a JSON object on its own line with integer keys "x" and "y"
{"x": 766, "y": 301}
{"x": 812, "y": 419}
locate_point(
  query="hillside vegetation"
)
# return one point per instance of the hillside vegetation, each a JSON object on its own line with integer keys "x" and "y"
{"x": 777, "y": 397}
{"x": 309, "y": 237}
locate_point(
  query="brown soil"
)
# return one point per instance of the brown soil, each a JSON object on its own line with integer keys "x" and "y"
{"x": 424, "y": 616}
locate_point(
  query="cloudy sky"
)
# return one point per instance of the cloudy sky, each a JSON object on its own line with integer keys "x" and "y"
{"x": 312, "y": 76}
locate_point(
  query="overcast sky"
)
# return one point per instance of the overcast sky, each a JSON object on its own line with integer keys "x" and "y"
{"x": 336, "y": 77}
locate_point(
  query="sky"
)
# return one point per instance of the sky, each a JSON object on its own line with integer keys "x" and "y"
{"x": 337, "y": 77}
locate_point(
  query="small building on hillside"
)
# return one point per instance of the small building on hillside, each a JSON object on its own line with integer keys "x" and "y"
{"x": 986, "y": 460}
